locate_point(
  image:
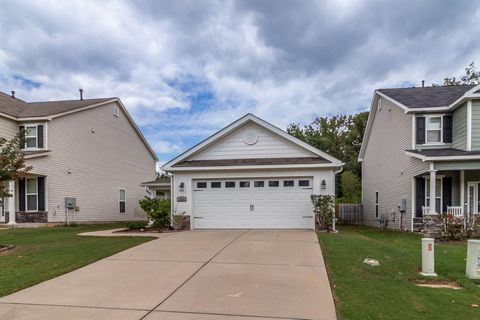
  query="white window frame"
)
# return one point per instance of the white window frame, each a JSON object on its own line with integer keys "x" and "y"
{"x": 120, "y": 200}
{"x": 427, "y": 118}
{"x": 377, "y": 200}
{"x": 427, "y": 189}
{"x": 31, "y": 194}
{"x": 26, "y": 136}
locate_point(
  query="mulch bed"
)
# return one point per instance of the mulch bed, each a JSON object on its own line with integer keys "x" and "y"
{"x": 6, "y": 247}
{"x": 148, "y": 230}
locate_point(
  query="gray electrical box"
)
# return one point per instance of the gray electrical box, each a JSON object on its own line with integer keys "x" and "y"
{"x": 402, "y": 207}
{"x": 70, "y": 203}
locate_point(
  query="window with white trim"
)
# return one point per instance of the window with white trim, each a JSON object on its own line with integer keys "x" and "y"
{"x": 122, "y": 200}
{"x": 31, "y": 194}
{"x": 433, "y": 127}
{"x": 438, "y": 193}
{"x": 376, "y": 204}
{"x": 31, "y": 137}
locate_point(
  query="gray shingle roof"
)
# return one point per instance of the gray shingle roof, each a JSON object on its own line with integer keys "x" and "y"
{"x": 444, "y": 152}
{"x": 18, "y": 108}
{"x": 427, "y": 97}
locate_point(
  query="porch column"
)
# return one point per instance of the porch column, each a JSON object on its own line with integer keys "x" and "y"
{"x": 11, "y": 203}
{"x": 433, "y": 182}
{"x": 462, "y": 192}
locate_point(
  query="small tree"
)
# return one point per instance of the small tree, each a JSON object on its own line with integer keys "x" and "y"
{"x": 157, "y": 210}
{"x": 324, "y": 209}
{"x": 12, "y": 163}
{"x": 351, "y": 187}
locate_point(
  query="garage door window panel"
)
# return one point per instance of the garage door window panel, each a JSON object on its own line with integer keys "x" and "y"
{"x": 230, "y": 184}
{"x": 201, "y": 185}
{"x": 304, "y": 183}
{"x": 288, "y": 183}
{"x": 244, "y": 184}
{"x": 274, "y": 184}
{"x": 259, "y": 184}
{"x": 216, "y": 185}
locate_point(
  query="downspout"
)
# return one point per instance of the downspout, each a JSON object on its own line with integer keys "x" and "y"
{"x": 172, "y": 197}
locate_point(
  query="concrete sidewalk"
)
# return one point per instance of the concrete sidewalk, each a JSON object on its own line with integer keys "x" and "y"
{"x": 230, "y": 274}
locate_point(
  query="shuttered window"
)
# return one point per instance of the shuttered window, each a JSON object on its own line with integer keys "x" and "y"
{"x": 34, "y": 136}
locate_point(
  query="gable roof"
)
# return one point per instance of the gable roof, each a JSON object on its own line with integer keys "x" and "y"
{"x": 427, "y": 97}
{"x": 20, "y": 110}
{"x": 182, "y": 162}
{"x": 411, "y": 100}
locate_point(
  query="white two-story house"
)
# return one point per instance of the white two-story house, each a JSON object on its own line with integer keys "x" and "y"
{"x": 88, "y": 159}
{"x": 421, "y": 155}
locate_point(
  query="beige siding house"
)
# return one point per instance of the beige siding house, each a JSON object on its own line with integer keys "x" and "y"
{"x": 415, "y": 136}
{"x": 89, "y": 150}
{"x": 250, "y": 174}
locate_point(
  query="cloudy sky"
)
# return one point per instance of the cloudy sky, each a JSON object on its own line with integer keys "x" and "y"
{"x": 184, "y": 69}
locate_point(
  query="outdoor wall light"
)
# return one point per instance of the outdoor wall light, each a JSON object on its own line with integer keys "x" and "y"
{"x": 323, "y": 184}
{"x": 181, "y": 187}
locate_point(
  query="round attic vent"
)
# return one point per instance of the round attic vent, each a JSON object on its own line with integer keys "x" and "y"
{"x": 250, "y": 138}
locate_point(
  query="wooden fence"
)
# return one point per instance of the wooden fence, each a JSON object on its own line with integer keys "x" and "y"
{"x": 350, "y": 213}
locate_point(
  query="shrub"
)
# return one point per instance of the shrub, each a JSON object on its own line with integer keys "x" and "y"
{"x": 134, "y": 225}
{"x": 324, "y": 209}
{"x": 157, "y": 210}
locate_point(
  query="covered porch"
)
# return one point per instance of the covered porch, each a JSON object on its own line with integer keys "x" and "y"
{"x": 448, "y": 188}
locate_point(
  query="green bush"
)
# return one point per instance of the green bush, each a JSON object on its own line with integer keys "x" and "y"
{"x": 324, "y": 209}
{"x": 133, "y": 225}
{"x": 157, "y": 210}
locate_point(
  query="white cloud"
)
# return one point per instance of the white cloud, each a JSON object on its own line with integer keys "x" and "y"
{"x": 285, "y": 61}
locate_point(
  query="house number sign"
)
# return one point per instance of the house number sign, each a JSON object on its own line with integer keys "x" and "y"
{"x": 181, "y": 199}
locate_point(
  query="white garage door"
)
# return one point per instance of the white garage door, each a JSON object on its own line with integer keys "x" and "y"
{"x": 253, "y": 203}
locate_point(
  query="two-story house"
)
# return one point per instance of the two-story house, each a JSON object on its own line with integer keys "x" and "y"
{"x": 90, "y": 151}
{"x": 421, "y": 154}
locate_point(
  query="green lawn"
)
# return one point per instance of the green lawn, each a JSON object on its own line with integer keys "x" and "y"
{"x": 386, "y": 292}
{"x": 44, "y": 253}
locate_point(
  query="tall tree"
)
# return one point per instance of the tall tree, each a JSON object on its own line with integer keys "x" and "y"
{"x": 340, "y": 136}
{"x": 471, "y": 76}
{"x": 12, "y": 163}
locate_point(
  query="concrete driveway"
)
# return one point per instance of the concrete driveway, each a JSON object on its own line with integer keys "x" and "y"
{"x": 232, "y": 275}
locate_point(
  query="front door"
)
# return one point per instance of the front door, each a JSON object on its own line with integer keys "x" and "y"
{"x": 473, "y": 197}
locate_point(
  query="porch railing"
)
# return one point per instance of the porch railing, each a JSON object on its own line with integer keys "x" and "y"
{"x": 456, "y": 211}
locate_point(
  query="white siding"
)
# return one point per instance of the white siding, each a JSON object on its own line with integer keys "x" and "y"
{"x": 385, "y": 167}
{"x": 103, "y": 153}
{"x": 268, "y": 145}
{"x": 8, "y": 128}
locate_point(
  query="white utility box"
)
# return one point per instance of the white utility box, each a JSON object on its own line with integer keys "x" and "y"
{"x": 428, "y": 257}
{"x": 473, "y": 259}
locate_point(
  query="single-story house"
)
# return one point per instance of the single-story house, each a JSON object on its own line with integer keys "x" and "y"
{"x": 250, "y": 174}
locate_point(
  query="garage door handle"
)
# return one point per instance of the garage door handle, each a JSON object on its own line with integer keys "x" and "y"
{"x": 307, "y": 188}
{"x": 307, "y": 217}
{"x": 198, "y": 190}
{"x": 197, "y": 217}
